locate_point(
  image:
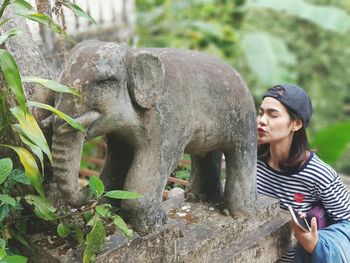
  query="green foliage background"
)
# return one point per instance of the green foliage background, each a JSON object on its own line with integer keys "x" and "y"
{"x": 315, "y": 57}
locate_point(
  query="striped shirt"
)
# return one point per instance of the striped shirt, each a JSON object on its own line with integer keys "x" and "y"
{"x": 301, "y": 189}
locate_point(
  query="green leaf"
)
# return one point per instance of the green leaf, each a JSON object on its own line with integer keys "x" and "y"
{"x": 3, "y": 7}
{"x": 3, "y": 253}
{"x": 209, "y": 28}
{"x": 63, "y": 229}
{"x": 4, "y": 21}
{"x": 4, "y": 113}
{"x": 43, "y": 19}
{"x": 77, "y": 10}
{"x": 119, "y": 222}
{"x": 50, "y": 84}
{"x": 2, "y": 129}
{"x": 30, "y": 167}
{"x": 94, "y": 242}
{"x": 19, "y": 176}
{"x": 120, "y": 194}
{"x": 13, "y": 79}
{"x": 34, "y": 148}
{"x": 4, "y": 212}
{"x": 183, "y": 174}
{"x": 9, "y": 34}
{"x": 22, "y": 5}
{"x": 19, "y": 231}
{"x": 2, "y": 243}
{"x": 96, "y": 186}
{"x": 103, "y": 210}
{"x": 269, "y": 58}
{"x": 93, "y": 220}
{"x": 79, "y": 234}
{"x": 31, "y": 129}
{"x": 63, "y": 116}
{"x": 88, "y": 215}
{"x": 327, "y": 17}
{"x": 6, "y": 199}
{"x": 20, "y": 238}
{"x": 15, "y": 259}
{"x": 43, "y": 209}
{"x": 22, "y": 225}
{"x": 5, "y": 169}
{"x": 331, "y": 142}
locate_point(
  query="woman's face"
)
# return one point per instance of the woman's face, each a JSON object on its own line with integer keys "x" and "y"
{"x": 274, "y": 122}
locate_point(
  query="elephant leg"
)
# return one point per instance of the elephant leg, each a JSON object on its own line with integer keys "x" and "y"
{"x": 205, "y": 183}
{"x": 240, "y": 188}
{"x": 148, "y": 176}
{"x": 118, "y": 160}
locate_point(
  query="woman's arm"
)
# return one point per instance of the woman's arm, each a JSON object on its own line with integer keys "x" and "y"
{"x": 335, "y": 198}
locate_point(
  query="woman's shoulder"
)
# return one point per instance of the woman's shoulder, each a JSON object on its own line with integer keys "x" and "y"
{"x": 319, "y": 170}
{"x": 317, "y": 163}
{"x": 313, "y": 169}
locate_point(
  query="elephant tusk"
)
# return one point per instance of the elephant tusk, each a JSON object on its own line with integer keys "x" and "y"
{"x": 64, "y": 128}
{"x": 86, "y": 120}
{"x": 47, "y": 122}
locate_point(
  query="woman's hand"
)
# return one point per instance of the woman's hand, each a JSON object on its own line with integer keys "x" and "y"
{"x": 307, "y": 239}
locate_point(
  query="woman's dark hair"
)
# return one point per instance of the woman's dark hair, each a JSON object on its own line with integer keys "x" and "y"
{"x": 297, "y": 153}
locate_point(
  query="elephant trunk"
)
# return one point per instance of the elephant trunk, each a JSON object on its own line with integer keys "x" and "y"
{"x": 66, "y": 156}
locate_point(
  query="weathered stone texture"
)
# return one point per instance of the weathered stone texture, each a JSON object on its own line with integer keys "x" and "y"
{"x": 195, "y": 232}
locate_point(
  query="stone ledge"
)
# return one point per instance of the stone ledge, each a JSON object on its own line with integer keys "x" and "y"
{"x": 198, "y": 234}
{"x": 217, "y": 238}
{"x": 267, "y": 244}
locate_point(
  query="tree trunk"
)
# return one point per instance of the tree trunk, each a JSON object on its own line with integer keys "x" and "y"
{"x": 30, "y": 61}
{"x": 48, "y": 37}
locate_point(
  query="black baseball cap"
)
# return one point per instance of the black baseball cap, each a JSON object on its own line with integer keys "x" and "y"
{"x": 294, "y": 98}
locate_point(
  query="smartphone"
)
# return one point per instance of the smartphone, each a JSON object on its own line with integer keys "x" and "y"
{"x": 301, "y": 222}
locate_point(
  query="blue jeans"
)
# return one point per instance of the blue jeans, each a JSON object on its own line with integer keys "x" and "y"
{"x": 333, "y": 246}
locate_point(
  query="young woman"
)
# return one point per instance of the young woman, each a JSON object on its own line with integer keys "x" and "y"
{"x": 290, "y": 172}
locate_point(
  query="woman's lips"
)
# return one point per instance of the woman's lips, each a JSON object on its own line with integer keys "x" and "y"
{"x": 261, "y": 130}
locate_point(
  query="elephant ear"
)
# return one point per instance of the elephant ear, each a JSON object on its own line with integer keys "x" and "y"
{"x": 146, "y": 79}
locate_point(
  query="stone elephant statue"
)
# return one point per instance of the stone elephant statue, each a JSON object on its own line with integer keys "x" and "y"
{"x": 153, "y": 105}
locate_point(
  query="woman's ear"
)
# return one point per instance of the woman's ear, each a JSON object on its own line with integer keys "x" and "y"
{"x": 297, "y": 124}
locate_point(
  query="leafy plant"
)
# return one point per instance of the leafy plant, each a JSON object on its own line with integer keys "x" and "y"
{"x": 183, "y": 173}
{"x": 99, "y": 214}
{"x": 325, "y": 16}
{"x": 96, "y": 216}
{"x": 92, "y": 149}
{"x": 269, "y": 56}
{"x": 10, "y": 206}
{"x": 11, "y": 225}
{"x": 202, "y": 25}
{"x": 97, "y": 188}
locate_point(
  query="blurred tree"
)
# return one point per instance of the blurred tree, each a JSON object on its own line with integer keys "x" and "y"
{"x": 316, "y": 36}
{"x": 321, "y": 54}
{"x": 209, "y": 25}
{"x": 268, "y": 42}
